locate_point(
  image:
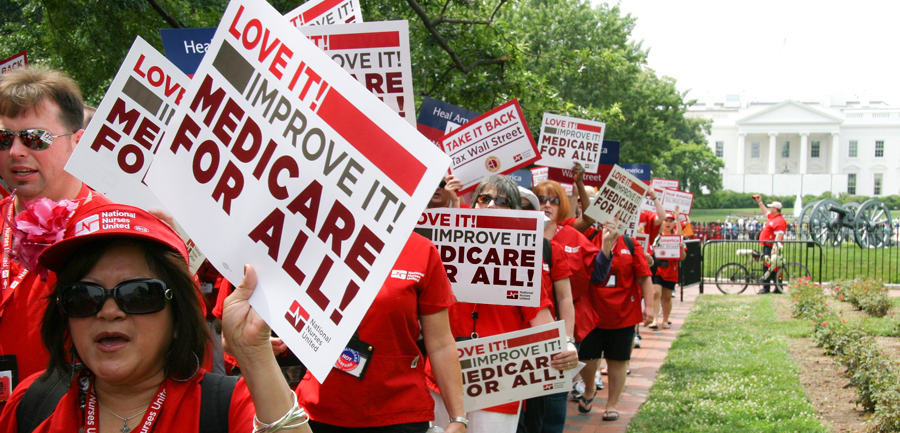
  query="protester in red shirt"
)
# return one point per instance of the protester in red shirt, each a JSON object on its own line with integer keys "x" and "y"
{"x": 127, "y": 308}
{"x": 468, "y": 320}
{"x": 43, "y": 112}
{"x": 773, "y": 230}
{"x": 666, "y": 274}
{"x": 617, "y": 301}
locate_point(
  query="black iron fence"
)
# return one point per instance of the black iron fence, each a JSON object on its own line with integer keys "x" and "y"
{"x": 734, "y": 265}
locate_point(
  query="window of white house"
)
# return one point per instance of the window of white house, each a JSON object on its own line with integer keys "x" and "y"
{"x": 814, "y": 151}
{"x": 754, "y": 149}
{"x": 720, "y": 149}
{"x": 879, "y": 149}
{"x": 878, "y": 180}
{"x": 854, "y": 147}
{"x": 851, "y": 183}
{"x": 785, "y": 149}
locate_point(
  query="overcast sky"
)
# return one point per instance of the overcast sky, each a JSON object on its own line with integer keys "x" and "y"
{"x": 771, "y": 50}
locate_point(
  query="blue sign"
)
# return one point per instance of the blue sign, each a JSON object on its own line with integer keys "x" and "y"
{"x": 185, "y": 47}
{"x": 610, "y": 152}
{"x": 521, "y": 177}
{"x": 640, "y": 171}
{"x": 434, "y": 116}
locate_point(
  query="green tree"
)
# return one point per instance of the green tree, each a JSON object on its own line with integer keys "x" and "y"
{"x": 694, "y": 165}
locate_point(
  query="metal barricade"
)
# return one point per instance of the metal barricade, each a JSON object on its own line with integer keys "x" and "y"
{"x": 740, "y": 263}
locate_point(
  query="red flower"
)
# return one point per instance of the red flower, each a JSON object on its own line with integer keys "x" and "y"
{"x": 824, "y": 323}
{"x": 41, "y": 224}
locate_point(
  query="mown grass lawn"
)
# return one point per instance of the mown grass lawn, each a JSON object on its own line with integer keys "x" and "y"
{"x": 729, "y": 370}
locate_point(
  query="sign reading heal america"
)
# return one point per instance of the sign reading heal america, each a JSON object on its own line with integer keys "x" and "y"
{"x": 565, "y": 140}
{"x": 497, "y": 142}
{"x": 513, "y": 366}
{"x": 619, "y": 197}
{"x": 492, "y": 256}
{"x": 16, "y": 61}
{"x": 278, "y": 158}
{"x": 678, "y": 201}
{"x": 325, "y": 12}
{"x": 119, "y": 144}
{"x": 377, "y": 55}
{"x": 438, "y": 118}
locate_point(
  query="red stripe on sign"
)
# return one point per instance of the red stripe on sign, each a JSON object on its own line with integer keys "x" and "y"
{"x": 498, "y": 222}
{"x": 583, "y": 127}
{"x": 636, "y": 187}
{"x": 531, "y": 339}
{"x": 356, "y": 41}
{"x": 319, "y": 9}
{"x": 370, "y": 140}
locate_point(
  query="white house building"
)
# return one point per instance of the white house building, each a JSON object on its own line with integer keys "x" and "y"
{"x": 796, "y": 147}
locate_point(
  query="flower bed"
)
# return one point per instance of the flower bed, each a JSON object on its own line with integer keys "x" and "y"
{"x": 868, "y": 295}
{"x": 871, "y": 372}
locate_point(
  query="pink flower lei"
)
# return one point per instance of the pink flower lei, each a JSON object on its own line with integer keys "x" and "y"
{"x": 41, "y": 224}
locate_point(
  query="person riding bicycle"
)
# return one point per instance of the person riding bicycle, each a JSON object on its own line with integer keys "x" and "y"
{"x": 772, "y": 231}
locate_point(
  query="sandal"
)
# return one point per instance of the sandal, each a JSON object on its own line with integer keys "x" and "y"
{"x": 587, "y": 404}
{"x": 669, "y": 326}
{"x": 610, "y": 415}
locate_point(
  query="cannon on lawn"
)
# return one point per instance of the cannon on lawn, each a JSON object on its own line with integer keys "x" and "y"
{"x": 830, "y": 223}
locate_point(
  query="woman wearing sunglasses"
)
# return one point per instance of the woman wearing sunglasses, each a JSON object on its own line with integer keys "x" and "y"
{"x": 468, "y": 321}
{"x": 126, "y": 337}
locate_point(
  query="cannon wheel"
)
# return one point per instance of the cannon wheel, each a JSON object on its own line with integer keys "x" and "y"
{"x": 848, "y": 232}
{"x": 873, "y": 224}
{"x": 825, "y": 224}
{"x": 803, "y": 228}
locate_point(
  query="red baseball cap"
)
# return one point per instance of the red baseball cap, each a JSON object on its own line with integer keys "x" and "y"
{"x": 90, "y": 223}
{"x": 670, "y": 215}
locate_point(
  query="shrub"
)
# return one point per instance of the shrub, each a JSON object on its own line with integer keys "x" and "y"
{"x": 808, "y": 298}
{"x": 870, "y": 295}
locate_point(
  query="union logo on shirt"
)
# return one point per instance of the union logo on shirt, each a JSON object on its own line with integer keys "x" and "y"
{"x": 625, "y": 251}
{"x": 572, "y": 250}
{"x": 398, "y": 274}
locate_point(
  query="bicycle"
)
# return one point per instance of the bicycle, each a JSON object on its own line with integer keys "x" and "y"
{"x": 732, "y": 278}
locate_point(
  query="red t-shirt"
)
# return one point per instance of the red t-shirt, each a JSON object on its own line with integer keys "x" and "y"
{"x": 393, "y": 390}
{"x": 23, "y": 307}
{"x": 646, "y": 221}
{"x": 581, "y": 253}
{"x": 492, "y": 320}
{"x": 620, "y": 306}
{"x": 180, "y": 411}
{"x": 774, "y": 226}
{"x": 551, "y": 274}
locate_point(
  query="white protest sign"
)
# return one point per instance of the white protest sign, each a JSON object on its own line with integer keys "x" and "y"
{"x": 118, "y": 146}
{"x": 565, "y": 140}
{"x": 377, "y": 55}
{"x": 644, "y": 240}
{"x": 648, "y": 203}
{"x": 512, "y": 367}
{"x": 665, "y": 183}
{"x": 631, "y": 229}
{"x": 497, "y": 142}
{"x": 19, "y": 60}
{"x": 669, "y": 247}
{"x": 678, "y": 201}
{"x": 619, "y": 197}
{"x": 325, "y": 12}
{"x": 492, "y": 256}
{"x": 278, "y": 158}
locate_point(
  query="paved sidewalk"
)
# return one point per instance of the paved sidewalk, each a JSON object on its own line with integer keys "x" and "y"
{"x": 645, "y": 363}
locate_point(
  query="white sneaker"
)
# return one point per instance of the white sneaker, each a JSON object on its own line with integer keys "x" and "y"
{"x": 598, "y": 380}
{"x": 637, "y": 342}
{"x": 577, "y": 390}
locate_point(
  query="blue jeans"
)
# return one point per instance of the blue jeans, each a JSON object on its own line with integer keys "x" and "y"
{"x": 555, "y": 406}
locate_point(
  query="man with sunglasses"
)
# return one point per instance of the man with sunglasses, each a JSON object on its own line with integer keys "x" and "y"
{"x": 41, "y": 113}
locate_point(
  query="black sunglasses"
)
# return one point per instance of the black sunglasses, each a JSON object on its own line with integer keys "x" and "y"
{"x": 442, "y": 184}
{"x": 34, "y": 139}
{"x": 499, "y": 201}
{"x": 542, "y": 200}
{"x": 141, "y": 296}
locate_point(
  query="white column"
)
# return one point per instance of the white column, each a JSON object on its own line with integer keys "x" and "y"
{"x": 835, "y": 153}
{"x": 804, "y": 151}
{"x": 740, "y": 153}
{"x": 772, "y": 144}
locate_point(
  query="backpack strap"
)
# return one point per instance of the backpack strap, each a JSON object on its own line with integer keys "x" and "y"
{"x": 548, "y": 259}
{"x": 40, "y": 401}
{"x": 215, "y": 402}
{"x": 629, "y": 242}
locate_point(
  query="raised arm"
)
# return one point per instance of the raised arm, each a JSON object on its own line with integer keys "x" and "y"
{"x": 248, "y": 338}
{"x": 583, "y": 223}
{"x": 660, "y": 210}
{"x": 762, "y": 207}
